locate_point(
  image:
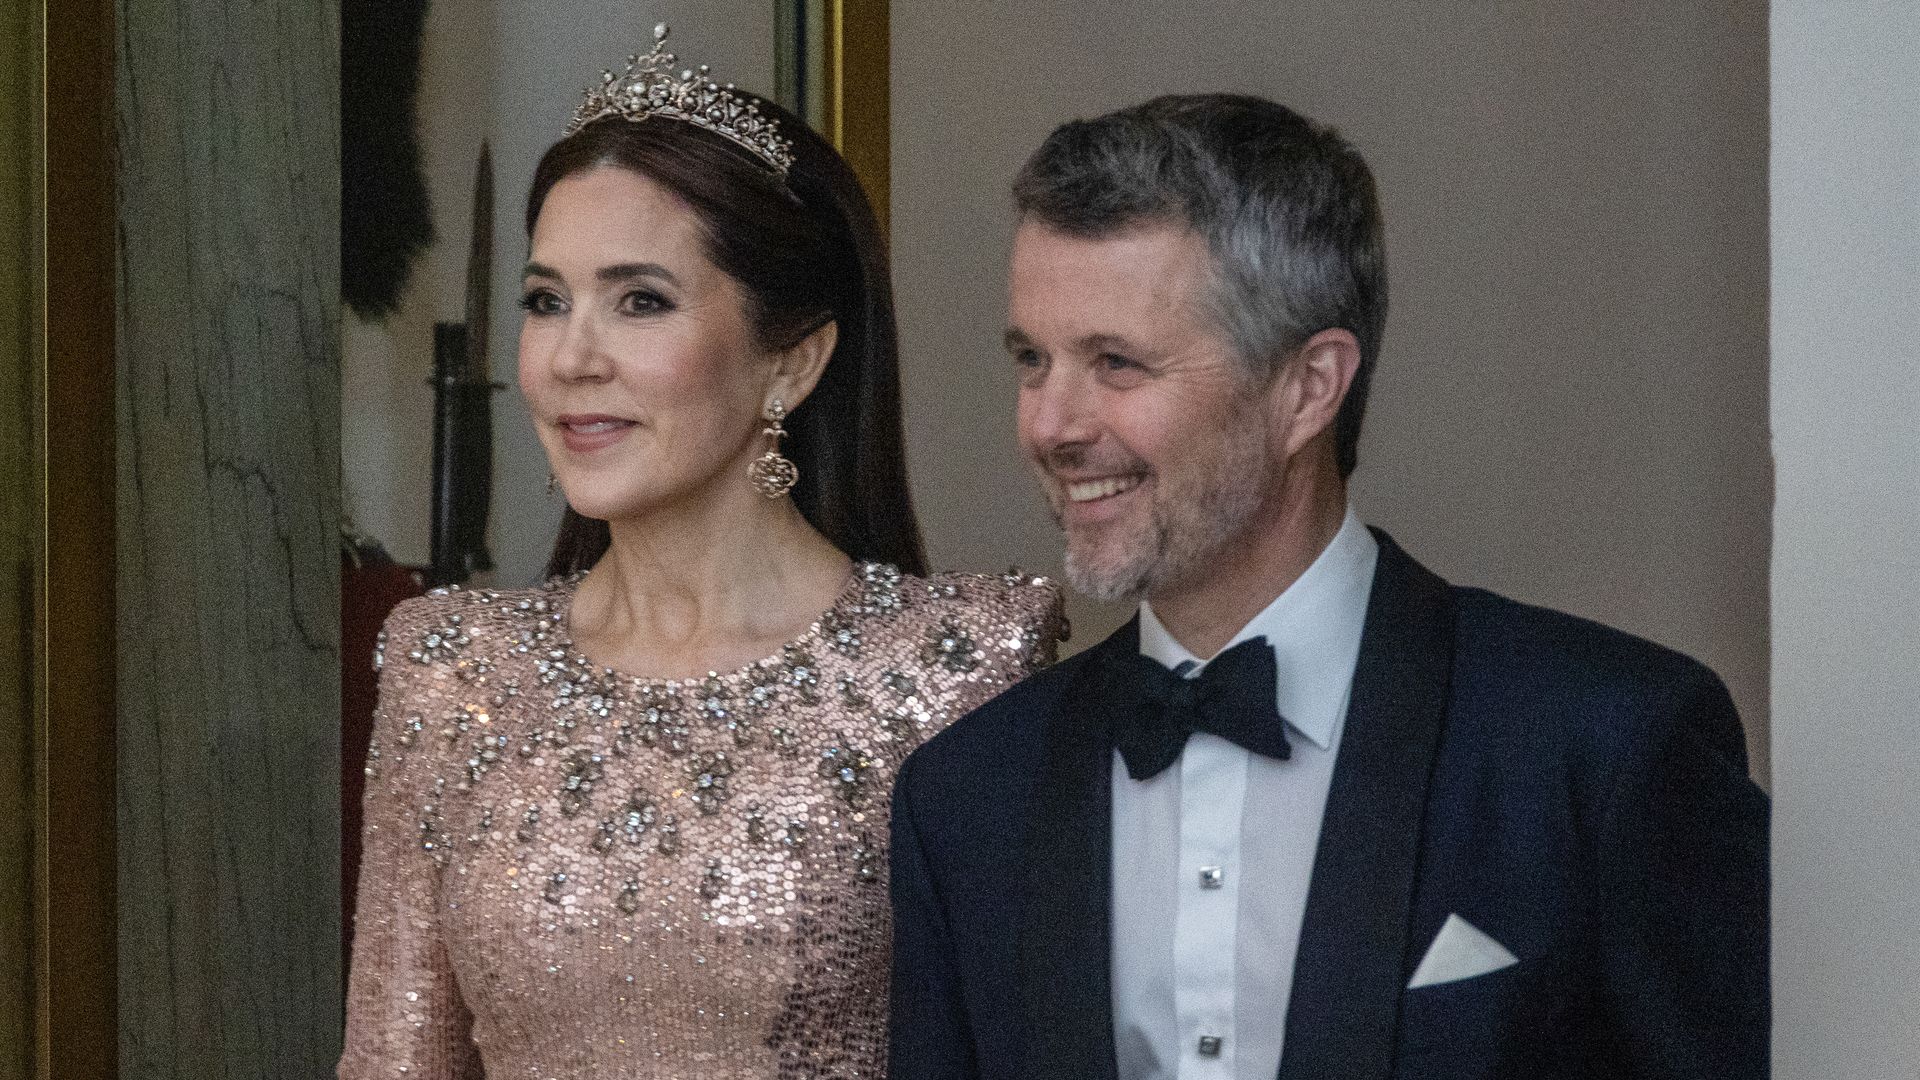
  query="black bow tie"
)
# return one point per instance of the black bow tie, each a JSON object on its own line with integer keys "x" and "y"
{"x": 1154, "y": 710}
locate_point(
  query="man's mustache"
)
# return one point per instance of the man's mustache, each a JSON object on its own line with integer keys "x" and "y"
{"x": 1083, "y": 460}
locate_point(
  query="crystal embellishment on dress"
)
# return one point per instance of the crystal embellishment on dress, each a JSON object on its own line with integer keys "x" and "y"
{"x": 845, "y": 768}
{"x": 714, "y": 880}
{"x": 660, "y": 723}
{"x": 636, "y": 817}
{"x": 441, "y": 642}
{"x": 842, "y": 633}
{"x": 865, "y": 860}
{"x": 898, "y": 683}
{"x": 485, "y": 753}
{"x": 582, "y": 769}
{"x": 649, "y": 88}
{"x": 785, "y": 740}
{"x": 712, "y": 699}
{"x": 799, "y": 672}
{"x": 709, "y": 786}
{"x": 604, "y": 840}
{"x": 882, "y": 592}
{"x": 950, "y": 645}
{"x": 794, "y": 836}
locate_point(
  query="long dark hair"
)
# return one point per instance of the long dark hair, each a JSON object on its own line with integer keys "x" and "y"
{"x": 806, "y": 252}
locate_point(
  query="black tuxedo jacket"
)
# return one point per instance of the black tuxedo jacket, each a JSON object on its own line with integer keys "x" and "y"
{"x": 1578, "y": 794}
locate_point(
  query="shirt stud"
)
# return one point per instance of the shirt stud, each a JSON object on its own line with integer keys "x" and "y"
{"x": 1210, "y": 1046}
{"x": 1212, "y": 877}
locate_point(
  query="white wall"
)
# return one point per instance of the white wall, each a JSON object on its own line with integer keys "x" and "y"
{"x": 1571, "y": 407}
{"x": 1846, "y": 562}
{"x": 510, "y": 71}
{"x": 386, "y": 429}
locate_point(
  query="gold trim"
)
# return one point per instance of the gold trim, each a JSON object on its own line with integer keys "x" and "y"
{"x": 857, "y": 98}
{"x": 76, "y": 904}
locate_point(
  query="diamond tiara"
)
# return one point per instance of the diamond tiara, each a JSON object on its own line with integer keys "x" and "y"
{"x": 649, "y": 88}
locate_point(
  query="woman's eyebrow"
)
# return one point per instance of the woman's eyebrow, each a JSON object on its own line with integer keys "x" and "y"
{"x": 627, "y": 271}
{"x": 616, "y": 272}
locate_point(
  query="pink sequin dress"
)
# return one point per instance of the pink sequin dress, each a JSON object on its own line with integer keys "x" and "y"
{"x": 571, "y": 872}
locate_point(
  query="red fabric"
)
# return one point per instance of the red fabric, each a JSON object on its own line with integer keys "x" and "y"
{"x": 368, "y": 593}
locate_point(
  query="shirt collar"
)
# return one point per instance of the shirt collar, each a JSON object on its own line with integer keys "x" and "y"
{"x": 1314, "y": 626}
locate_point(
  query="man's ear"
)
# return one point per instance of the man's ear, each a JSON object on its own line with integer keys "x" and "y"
{"x": 1314, "y": 384}
{"x": 797, "y": 370}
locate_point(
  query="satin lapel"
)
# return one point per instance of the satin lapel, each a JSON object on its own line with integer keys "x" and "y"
{"x": 1352, "y": 965}
{"x": 1065, "y": 978}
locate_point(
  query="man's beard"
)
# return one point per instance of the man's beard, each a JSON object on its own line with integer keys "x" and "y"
{"x": 1191, "y": 514}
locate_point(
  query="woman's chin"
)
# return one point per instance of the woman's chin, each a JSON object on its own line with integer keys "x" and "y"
{"x": 601, "y": 510}
{"x": 602, "y": 504}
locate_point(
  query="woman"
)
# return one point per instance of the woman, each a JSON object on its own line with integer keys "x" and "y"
{"x": 632, "y": 823}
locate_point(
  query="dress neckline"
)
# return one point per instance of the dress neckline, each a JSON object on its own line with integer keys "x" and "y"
{"x": 857, "y": 596}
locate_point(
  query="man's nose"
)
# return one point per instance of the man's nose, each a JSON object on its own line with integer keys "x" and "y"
{"x": 1058, "y": 411}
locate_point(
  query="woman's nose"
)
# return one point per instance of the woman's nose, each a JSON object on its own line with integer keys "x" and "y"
{"x": 578, "y": 356}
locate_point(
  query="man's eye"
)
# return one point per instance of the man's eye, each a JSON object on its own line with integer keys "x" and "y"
{"x": 1115, "y": 362}
{"x": 542, "y": 302}
{"x": 1026, "y": 358}
{"x": 644, "y": 302}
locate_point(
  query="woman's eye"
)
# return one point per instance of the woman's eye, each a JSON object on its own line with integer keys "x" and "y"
{"x": 643, "y": 302}
{"x": 1026, "y": 358}
{"x": 1115, "y": 362}
{"x": 542, "y": 302}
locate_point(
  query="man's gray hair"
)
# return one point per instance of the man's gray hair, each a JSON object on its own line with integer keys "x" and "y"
{"x": 1287, "y": 206}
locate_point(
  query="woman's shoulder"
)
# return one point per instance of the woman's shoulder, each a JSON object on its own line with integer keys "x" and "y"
{"x": 453, "y": 623}
{"x": 442, "y": 654}
{"x": 1002, "y": 607}
{"x": 1014, "y": 592}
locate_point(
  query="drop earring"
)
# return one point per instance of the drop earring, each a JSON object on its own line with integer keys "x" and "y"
{"x": 771, "y": 472}
{"x": 553, "y": 483}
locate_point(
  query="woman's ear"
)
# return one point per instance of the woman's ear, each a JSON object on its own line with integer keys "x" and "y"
{"x": 797, "y": 370}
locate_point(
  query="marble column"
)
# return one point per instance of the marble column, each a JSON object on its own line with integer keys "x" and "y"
{"x": 228, "y": 538}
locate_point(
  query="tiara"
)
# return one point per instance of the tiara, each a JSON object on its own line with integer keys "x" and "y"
{"x": 649, "y": 88}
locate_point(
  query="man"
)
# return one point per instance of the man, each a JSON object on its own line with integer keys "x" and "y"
{"x": 1314, "y": 812}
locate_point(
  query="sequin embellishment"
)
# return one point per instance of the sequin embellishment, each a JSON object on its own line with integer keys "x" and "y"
{"x": 697, "y": 866}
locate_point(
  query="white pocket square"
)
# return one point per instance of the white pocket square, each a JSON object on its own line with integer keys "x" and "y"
{"x": 1460, "y": 951}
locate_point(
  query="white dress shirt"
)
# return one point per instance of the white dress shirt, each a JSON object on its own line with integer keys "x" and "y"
{"x": 1212, "y": 857}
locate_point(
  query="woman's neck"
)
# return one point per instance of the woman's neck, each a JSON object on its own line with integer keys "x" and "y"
{"x": 705, "y": 587}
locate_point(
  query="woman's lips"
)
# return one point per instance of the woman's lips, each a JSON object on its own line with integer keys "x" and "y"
{"x": 587, "y": 433}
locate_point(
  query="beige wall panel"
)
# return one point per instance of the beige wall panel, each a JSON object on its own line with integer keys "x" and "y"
{"x": 1846, "y": 556}
{"x": 228, "y": 122}
{"x": 1571, "y": 405}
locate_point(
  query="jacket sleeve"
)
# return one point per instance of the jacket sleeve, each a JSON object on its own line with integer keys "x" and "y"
{"x": 929, "y": 1037}
{"x": 1683, "y": 905}
{"x": 405, "y": 1016}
